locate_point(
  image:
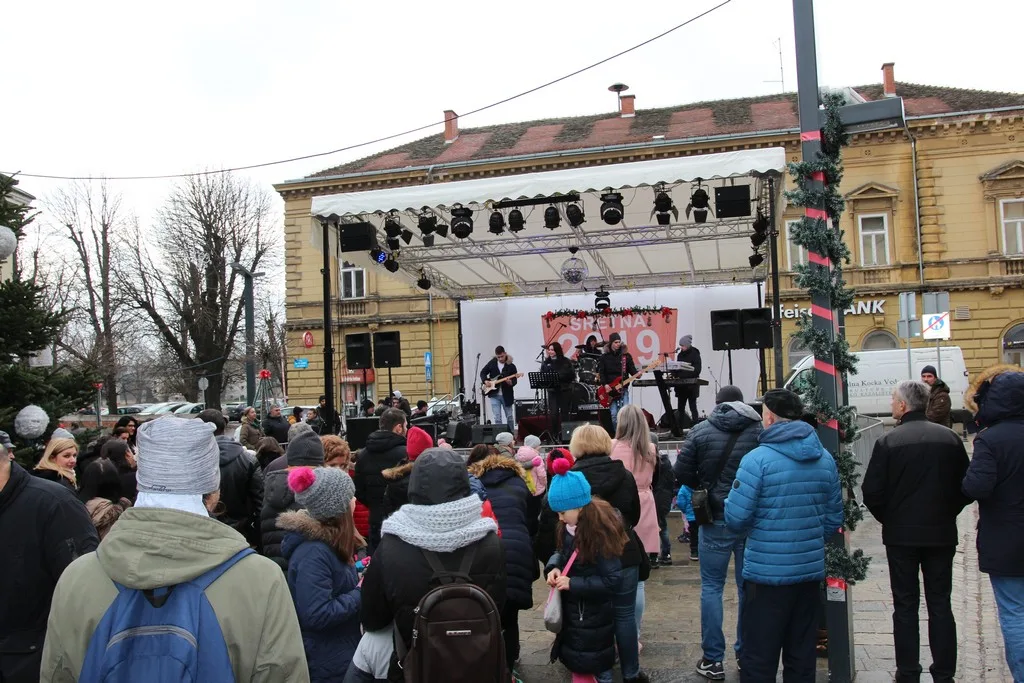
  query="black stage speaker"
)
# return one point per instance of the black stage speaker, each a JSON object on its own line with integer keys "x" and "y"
{"x": 358, "y": 429}
{"x": 387, "y": 349}
{"x": 487, "y": 433}
{"x": 357, "y": 351}
{"x": 732, "y": 202}
{"x": 567, "y": 429}
{"x": 430, "y": 426}
{"x": 358, "y": 237}
{"x": 726, "y": 332}
{"x": 460, "y": 434}
{"x": 757, "y": 328}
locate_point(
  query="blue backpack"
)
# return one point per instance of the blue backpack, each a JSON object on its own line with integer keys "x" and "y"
{"x": 169, "y": 635}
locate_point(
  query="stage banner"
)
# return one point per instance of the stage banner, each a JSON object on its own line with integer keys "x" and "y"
{"x": 647, "y": 332}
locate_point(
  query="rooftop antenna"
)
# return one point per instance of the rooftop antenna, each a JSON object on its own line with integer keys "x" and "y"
{"x": 618, "y": 89}
{"x": 782, "y": 74}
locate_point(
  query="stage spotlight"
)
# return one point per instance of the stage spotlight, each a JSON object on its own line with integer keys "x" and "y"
{"x": 462, "y": 222}
{"x": 496, "y": 223}
{"x": 758, "y": 238}
{"x": 441, "y": 229}
{"x": 700, "y": 204}
{"x": 760, "y": 231}
{"x": 602, "y": 299}
{"x": 516, "y": 222}
{"x": 552, "y": 219}
{"x": 391, "y": 264}
{"x": 574, "y": 214}
{"x": 427, "y": 223}
{"x": 611, "y": 208}
{"x": 378, "y": 255}
{"x": 664, "y": 208}
{"x": 755, "y": 260}
{"x": 424, "y": 282}
{"x": 428, "y": 240}
{"x": 392, "y": 228}
{"x": 393, "y": 243}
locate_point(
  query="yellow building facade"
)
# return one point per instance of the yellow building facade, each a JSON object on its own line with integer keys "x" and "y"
{"x": 952, "y": 180}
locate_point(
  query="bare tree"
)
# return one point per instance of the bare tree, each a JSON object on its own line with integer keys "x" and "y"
{"x": 180, "y": 272}
{"x": 271, "y": 333}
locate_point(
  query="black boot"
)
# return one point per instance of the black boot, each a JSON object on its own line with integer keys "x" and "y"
{"x": 640, "y": 678}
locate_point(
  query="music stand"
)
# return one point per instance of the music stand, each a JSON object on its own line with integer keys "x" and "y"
{"x": 543, "y": 380}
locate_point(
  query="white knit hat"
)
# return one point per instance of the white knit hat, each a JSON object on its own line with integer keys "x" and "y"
{"x": 177, "y": 456}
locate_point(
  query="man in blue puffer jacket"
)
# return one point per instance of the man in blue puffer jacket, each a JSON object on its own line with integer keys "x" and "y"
{"x": 787, "y": 497}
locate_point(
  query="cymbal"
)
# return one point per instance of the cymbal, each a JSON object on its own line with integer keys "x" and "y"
{"x": 581, "y": 346}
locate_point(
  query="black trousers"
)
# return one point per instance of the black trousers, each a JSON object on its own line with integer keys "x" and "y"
{"x": 559, "y": 404}
{"x": 779, "y": 619}
{"x": 688, "y": 396}
{"x": 510, "y": 633}
{"x": 936, "y": 564}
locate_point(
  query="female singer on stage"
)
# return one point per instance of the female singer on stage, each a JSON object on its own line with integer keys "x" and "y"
{"x": 558, "y": 399}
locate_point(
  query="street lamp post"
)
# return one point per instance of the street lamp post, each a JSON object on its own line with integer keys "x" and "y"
{"x": 250, "y": 330}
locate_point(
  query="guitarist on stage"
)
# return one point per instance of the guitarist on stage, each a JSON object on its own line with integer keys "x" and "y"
{"x": 502, "y": 396}
{"x": 558, "y": 399}
{"x": 616, "y": 363}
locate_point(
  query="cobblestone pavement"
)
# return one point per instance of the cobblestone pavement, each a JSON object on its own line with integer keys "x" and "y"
{"x": 671, "y": 631}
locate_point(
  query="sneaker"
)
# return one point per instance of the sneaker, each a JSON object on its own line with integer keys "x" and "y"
{"x": 738, "y": 667}
{"x": 694, "y": 557}
{"x": 654, "y": 560}
{"x": 713, "y": 671}
{"x": 684, "y": 538}
{"x": 640, "y": 678}
{"x": 666, "y": 560}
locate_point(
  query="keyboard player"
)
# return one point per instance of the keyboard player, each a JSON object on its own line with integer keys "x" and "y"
{"x": 687, "y": 395}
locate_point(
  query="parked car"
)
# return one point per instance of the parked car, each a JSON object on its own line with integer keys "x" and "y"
{"x": 161, "y": 408}
{"x": 190, "y": 409}
{"x": 234, "y": 411}
{"x": 129, "y": 410}
{"x": 92, "y": 411}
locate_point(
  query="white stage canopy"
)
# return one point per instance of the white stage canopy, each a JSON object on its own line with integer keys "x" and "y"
{"x": 635, "y": 253}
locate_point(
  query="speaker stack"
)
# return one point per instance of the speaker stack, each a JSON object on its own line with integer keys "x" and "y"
{"x": 741, "y": 328}
{"x": 387, "y": 349}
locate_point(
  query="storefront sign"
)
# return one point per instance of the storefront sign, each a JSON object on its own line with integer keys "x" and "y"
{"x": 861, "y": 307}
{"x": 356, "y": 376}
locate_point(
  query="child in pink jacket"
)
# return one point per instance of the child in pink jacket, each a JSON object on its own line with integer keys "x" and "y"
{"x": 529, "y": 457}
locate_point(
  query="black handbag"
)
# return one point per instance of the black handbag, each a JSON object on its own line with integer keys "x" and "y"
{"x": 701, "y": 499}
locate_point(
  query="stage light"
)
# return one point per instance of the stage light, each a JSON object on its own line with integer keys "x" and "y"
{"x": 516, "y": 222}
{"x": 552, "y": 219}
{"x": 755, "y": 260}
{"x": 700, "y": 204}
{"x": 427, "y": 223}
{"x": 602, "y": 299}
{"x": 392, "y": 228}
{"x": 611, "y": 208}
{"x": 393, "y": 243}
{"x": 441, "y": 229}
{"x": 424, "y": 282}
{"x": 496, "y": 223}
{"x": 574, "y": 214}
{"x": 378, "y": 255}
{"x": 664, "y": 208}
{"x": 428, "y": 240}
{"x": 760, "y": 231}
{"x": 462, "y": 222}
{"x": 391, "y": 264}
{"x": 407, "y": 236}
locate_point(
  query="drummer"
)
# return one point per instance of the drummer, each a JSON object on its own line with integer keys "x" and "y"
{"x": 591, "y": 347}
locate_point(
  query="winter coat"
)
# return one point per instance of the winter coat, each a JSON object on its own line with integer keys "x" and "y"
{"x": 241, "y": 489}
{"x": 665, "y": 487}
{"x": 277, "y": 427}
{"x": 151, "y": 548}
{"x": 56, "y": 478}
{"x": 912, "y": 484}
{"x": 250, "y": 435}
{"x": 995, "y": 477}
{"x": 508, "y": 496}
{"x": 691, "y": 356}
{"x": 277, "y": 498}
{"x": 787, "y": 496}
{"x": 938, "y": 404}
{"x": 586, "y": 643}
{"x": 396, "y": 494}
{"x": 704, "y": 448}
{"x": 647, "y": 528}
{"x": 43, "y": 528}
{"x": 383, "y": 450}
{"x": 326, "y": 595}
{"x": 538, "y": 474}
{"x": 610, "y": 364}
{"x": 361, "y": 515}
{"x": 491, "y": 371}
{"x": 684, "y": 501}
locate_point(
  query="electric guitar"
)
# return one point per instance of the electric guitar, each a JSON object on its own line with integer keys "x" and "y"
{"x": 613, "y": 390}
{"x": 491, "y": 385}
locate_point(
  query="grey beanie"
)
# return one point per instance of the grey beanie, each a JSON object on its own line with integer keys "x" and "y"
{"x": 61, "y": 433}
{"x": 305, "y": 448}
{"x": 178, "y": 456}
{"x": 686, "y": 340}
{"x": 504, "y": 439}
{"x": 324, "y": 492}
{"x": 297, "y": 429}
{"x": 728, "y": 393}
{"x": 532, "y": 441}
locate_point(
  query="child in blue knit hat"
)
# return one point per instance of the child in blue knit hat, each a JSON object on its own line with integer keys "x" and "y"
{"x": 587, "y": 570}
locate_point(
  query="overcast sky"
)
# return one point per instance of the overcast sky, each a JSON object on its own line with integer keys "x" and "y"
{"x": 123, "y": 88}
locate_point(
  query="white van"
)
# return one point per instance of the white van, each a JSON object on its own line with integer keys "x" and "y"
{"x": 878, "y": 373}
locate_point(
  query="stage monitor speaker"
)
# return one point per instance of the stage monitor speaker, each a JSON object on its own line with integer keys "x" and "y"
{"x": 757, "y": 328}
{"x": 387, "y": 349}
{"x": 357, "y": 351}
{"x": 460, "y": 434}
{"x": 358, "y": 237}
{"x": 732, "y": 201}
{"x": 487, "y": 433}
{"x": 726, "y": 332}
{"x": 567, "y": 429}
{"x": 358, "y": 429}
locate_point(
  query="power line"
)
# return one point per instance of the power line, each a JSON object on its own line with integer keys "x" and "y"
{"x": 305, "y": 157}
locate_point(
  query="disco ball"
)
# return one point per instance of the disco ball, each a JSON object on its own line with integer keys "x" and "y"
{"x": 31, "y": 422}
{"x": 8, "y": 242}
{"x": 574, "y": 270}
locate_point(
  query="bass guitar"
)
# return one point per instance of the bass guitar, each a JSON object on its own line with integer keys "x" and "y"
{"x": 613, "y": 390}
{"x": 491, "y": 385}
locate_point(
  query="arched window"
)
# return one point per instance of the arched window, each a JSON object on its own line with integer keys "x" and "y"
{"x": 880, "y": 340}
{"x": 796, "y": 352}
{"x": 1013, "y": 345}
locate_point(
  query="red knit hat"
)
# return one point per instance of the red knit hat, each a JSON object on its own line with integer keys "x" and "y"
{"x": 417, "y": 441}
{"x": 555, "y": 454}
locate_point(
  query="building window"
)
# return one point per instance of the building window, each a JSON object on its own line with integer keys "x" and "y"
{"x": 874, "y": 240}
{"x": 353, "y": 281}
{"x": 880, "y": 340}
{"x": 1012, "y": 217}
{"x": 797, "y": 254}
{"x": 1013, "y": 345}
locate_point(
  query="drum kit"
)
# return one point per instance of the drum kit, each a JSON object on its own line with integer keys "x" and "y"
{"x": 584, "y": 391}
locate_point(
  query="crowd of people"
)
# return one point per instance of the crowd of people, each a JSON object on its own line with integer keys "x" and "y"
{"x": 174, "y": 549}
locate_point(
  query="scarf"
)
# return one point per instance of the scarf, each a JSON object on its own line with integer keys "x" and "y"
{"x": 440, "y": 528}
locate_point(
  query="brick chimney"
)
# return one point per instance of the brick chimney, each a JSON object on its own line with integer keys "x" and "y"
{"x": 451, "y": 126}
{"x": 888, "y": 80}
{"x": 627, "y": 106}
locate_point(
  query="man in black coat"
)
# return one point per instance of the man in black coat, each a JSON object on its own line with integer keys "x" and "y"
{"x": 276, "y": 424}
{"x": 688, "y": 353}
{"x": 43, "y": 528}
{"x": 912, "y": 486}
{"x": 385, "y": 448}
{"x": 996, "y": 479}
{"x": 501, "y": 397}
{"x": 304, "y": 450}
{"x": 241, "y": 481}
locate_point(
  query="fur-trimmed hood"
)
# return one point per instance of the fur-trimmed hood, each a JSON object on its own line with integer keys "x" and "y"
{"x": 997, "y": 394}
{"x": 397, "y": 472}
{"x": 986, "y": 377}
{"x": 301, "y": 523}
{"x": 496, "y": 462}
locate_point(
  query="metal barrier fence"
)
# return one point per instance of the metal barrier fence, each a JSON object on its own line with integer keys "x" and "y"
{"x": 870, "y": 430}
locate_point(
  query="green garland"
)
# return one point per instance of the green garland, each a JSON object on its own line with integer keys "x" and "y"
{"x": 816, "y": 235}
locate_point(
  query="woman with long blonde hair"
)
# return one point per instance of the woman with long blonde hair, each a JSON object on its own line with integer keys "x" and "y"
{"x": 58, "y": 463}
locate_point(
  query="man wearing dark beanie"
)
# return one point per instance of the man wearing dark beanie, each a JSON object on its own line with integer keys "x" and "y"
{"x": 939, "y": 405}
{"x": 304, "y": 450}
{"x": 787, "y": 498}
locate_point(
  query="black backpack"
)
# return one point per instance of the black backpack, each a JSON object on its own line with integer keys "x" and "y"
{"x": 456, "y": 631}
